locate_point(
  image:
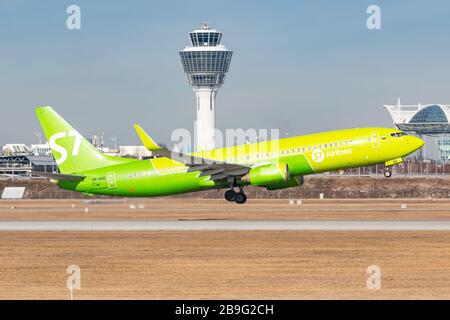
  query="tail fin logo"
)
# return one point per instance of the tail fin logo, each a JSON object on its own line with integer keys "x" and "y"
{"x": 62, "y": 149}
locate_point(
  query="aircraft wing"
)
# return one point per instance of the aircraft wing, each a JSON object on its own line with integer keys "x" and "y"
{"x": 58, "y": 176}
{"x": 218, "y": 170}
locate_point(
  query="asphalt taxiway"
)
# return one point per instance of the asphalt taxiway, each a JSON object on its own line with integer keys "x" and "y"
{"x": 227, "y": 225}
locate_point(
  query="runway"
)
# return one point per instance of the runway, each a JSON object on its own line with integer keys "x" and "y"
{"x": 211, "y": 249}
{"x": 226, "y": 225}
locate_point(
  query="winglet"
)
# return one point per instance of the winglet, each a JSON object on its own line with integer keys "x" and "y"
{"x": 145, "y": 138}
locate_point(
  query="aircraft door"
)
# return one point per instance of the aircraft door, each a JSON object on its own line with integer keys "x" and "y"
{"x": 111, "y": 179}
{"x": 375, "y": 139}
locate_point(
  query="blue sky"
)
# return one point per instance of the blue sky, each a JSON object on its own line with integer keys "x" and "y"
{"x": 301, "y": 66}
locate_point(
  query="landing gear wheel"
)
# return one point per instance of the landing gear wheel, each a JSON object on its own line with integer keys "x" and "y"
{"x": 230, "y": 195}
{"x": 240, "y": 198}
{"x": 388, "y": 174}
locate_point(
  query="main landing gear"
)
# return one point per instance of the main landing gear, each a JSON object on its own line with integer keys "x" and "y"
{"x": 233, "y": 196}
{"x": 388, "y": 173}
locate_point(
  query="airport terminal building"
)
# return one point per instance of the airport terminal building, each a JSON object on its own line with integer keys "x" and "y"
{"x": 21, "y": 165}
{"x": 430, "y": 120}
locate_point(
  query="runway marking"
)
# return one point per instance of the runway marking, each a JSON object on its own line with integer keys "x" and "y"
{"x": 226, "y": 225}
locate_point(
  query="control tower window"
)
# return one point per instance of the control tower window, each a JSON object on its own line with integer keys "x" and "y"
{"x": 209, "y": 39}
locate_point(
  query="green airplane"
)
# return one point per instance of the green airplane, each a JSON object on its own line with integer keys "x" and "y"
{"x": 274, "y": 164}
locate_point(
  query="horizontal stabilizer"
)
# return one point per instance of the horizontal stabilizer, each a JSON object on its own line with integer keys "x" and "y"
{"x": 58, "y": 176}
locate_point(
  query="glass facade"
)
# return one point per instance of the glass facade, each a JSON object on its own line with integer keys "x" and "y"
{"x": 443, "y": 146}
{"x": 202, "y": 80}
{"x": 430, "y": 121}
{"x": 207, "y": 38}
{"x": 430, "y": 114}
{"x": 205, "y": 61}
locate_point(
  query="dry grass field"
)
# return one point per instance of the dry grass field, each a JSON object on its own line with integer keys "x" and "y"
{"x": 223, "y": 265}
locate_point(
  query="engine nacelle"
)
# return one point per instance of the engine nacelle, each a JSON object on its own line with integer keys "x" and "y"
{"x": 267, "y": 174}
{"x": 292, "y": 182}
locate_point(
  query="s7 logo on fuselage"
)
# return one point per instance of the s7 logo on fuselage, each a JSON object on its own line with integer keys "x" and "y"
{"x": 318, "y": 155}
{"x": 61, "y": 149}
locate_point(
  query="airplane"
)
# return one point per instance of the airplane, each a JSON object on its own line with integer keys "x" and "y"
{"x": 275, "y": 164}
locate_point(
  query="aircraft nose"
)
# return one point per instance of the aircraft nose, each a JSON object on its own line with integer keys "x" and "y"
{"x": 416, "y": 143}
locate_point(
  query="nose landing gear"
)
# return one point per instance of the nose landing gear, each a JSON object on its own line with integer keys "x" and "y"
{"x": 233, "y": 196}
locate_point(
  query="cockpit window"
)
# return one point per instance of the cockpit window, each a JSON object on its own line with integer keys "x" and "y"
{"x": 398, "y": 134}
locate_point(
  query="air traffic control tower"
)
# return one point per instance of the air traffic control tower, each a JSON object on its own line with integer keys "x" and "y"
{"x": 205, "y": 63}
